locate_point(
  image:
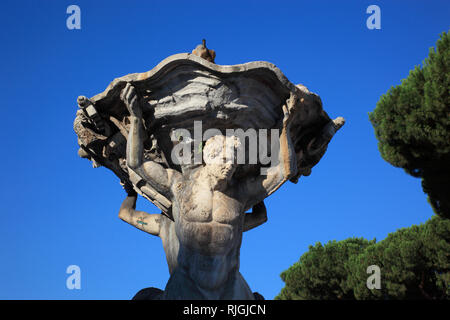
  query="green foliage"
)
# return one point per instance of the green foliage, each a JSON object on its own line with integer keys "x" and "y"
{"x": 414, "y": 263}
{"x": 322, "y": 272}
{"x": 412, "y": 125}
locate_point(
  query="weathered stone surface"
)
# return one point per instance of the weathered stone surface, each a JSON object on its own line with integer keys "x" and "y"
{"x": 131, "y": 128}
{"x": 184, "y": 88}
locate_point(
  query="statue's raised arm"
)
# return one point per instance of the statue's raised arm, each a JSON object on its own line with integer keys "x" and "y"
{"x": 290, "y": 164}
{"x": 153, "y": 173}
{"x": 144, "y": 221}
{"x": 259, "y": 187}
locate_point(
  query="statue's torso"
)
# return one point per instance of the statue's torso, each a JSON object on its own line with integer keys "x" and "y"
{"x": 209, "y": 226}
{"x": 209, "y": 221}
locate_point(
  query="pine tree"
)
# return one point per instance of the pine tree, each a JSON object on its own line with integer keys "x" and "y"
{"x": 412, "y": 125}
{"x": 414, "y": 264}
{"x": 321, "y": 273}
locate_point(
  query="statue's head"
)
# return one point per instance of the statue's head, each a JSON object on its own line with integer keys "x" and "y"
{"x": 219, "y": 157}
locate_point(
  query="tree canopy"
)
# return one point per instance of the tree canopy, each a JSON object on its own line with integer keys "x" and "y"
{"x": 414, "y": 264}
{"x": 412, "y": 125}
{"x": 322, "y": 272}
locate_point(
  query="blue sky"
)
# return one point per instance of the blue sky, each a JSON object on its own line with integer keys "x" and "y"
{"x": 58, "y": 211}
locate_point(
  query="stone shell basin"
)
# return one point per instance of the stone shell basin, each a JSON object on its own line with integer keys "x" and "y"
{"x": 185, "y": 88}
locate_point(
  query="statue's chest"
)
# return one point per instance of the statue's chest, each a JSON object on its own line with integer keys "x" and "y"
{"x": 204, "y": 205}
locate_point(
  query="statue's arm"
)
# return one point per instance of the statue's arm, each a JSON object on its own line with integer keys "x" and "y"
{"x": 263, "y": 185}
{"x": 154, "y": 174}
{"x": 257, "y": 217}
{"x": 149, "y": 223}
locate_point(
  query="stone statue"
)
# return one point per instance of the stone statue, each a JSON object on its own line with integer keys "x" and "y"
{"x": 203, "y": 205}
{"x": 202, "y": 51}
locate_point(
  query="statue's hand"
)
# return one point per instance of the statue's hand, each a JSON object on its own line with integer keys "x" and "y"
{"x": 130, "y": 98}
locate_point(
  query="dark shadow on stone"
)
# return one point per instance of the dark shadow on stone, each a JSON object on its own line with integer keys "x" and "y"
{"x": 155, "y": 294}
{"x": 258, "y": 296}
{"x": 148, "y": 294}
